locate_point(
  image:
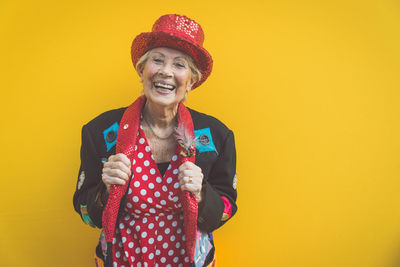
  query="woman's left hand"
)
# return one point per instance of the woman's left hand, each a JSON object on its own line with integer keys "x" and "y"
{"x": 191, "y": 178}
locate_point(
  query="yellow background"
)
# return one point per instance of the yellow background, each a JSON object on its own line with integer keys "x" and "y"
{"x": 310, "y": 88}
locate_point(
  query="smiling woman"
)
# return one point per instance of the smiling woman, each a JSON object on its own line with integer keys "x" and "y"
{"x": 157, "y": 176}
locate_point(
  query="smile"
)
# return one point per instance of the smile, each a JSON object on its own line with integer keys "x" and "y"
{"x": 159, "y": 85}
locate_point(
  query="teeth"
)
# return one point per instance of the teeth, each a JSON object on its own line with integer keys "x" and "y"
{"x": 167, "y": 86}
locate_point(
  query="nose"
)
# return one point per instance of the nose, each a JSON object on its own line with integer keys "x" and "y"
{"x": 165, "y": 70}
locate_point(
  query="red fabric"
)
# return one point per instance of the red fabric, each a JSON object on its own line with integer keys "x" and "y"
{"x": 178, "y": 32}
{"x": 126, "y": 140}
{"x": 228, "y": 206}
{"x": 151, "y": 231}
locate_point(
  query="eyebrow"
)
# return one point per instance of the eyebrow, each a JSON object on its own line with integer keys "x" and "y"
{"x": 178, "y": 57}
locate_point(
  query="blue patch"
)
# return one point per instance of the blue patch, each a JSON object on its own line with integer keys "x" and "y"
{"x": 110, "y": 135}
{"x": 204, "y": 141}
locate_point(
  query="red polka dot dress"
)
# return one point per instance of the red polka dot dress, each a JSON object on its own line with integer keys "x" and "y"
{"x": 151, "y": 232}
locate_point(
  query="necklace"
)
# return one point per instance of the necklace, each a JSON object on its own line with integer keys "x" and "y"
{"x": 152, "y": 131}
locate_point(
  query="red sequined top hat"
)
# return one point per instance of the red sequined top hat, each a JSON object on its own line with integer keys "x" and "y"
{"x": 178, "y": 32}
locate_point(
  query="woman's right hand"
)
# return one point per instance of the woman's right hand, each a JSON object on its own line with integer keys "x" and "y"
{"x": 116, "y": 170}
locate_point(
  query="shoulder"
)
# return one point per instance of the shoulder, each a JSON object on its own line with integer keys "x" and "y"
{"x": 105, "y": 119}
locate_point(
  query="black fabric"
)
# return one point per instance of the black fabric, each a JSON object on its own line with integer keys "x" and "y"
{"x": 162, "y": 167}
{"x": 218, "y": 167}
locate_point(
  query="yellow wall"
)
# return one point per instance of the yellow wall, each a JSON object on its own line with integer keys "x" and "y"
{"x": 310, "y": 88}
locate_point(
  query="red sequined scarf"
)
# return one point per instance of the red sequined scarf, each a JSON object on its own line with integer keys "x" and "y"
{"x": 126, "y": 141}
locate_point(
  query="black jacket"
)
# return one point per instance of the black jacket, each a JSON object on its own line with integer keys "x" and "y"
{"x": 215, "y": 155}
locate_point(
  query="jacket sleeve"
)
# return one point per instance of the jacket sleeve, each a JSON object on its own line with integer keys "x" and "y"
{"x": 219, "y": 190}
{"x": 88, "y": 199}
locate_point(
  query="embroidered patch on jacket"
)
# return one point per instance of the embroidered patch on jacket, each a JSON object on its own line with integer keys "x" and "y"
{"x": 203, "y": 247}
{"x": 110, "y": 135}
{"x": 81, "y": 179}
{"x": 234, "y": 181}
{"x": 204, "y": 141}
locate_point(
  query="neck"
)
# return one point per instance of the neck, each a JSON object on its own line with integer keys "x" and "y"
{"x": 160, "y": 116}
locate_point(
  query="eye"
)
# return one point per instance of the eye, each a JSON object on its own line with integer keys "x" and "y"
{"x": 157, "y": 60}
{"x": 180, "y": 65}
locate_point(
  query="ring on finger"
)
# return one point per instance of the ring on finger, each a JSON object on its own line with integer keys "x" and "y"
{"x": 190, "y": 180}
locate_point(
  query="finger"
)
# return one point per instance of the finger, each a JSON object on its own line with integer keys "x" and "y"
{"x": 110, "y": 180}
{"x": 195, "y": 189}
{"x": 186, "y": 165}
{"x": 122, "y": 157}
{"x": 118, "y": 165}
{"x": 116, "y": 173}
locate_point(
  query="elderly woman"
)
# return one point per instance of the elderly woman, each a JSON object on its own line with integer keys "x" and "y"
{"x": 158, "y": 177}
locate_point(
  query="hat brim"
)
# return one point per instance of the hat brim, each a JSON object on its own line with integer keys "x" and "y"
{"x": 148, "y": 40}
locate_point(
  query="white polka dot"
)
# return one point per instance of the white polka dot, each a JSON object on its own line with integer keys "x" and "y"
{"x": 150, "y": 200}
{"x": 151, "y": 256}
{"x": 139, "y": 264}
{"x": 136, "y": 146}
{"x": 135, "y": 199}
{"x": 170, "y": 252}
{"x": 179, "y": 230}
{"x": 174, "y": 157}
{"x": 121, "y": 226}
{"x": 158, "y": 252}
{"x": 144, "y": 234}
{"x": 140, "y": 155}
{"x": 161, "y": 224}
{"x": 165, "y": 245}
{"x": 178, "y": 245}
{"x": 137, "y": 228}
{"x": 172, "y": 238}
{"x": 174, "y": 223}
{"x": 151, "y": 240}
{"x": 159, "y": 238}
{"x": 152, "y": 210}
{"x": 114, "y": 240}
{"x": 182, "y": 251}
{"x": 133, "y": 161}
{"x": 163, "y": 202}
{"x": 129, "y": 205}
{"x": 169, "y": 167}
{"x": 144, "y": 249}
{"x": 143, "y": 206}
{"x": 117, "y": 254}
{"x": 123, "y": 239}
{"x": 158, "y": 207}
{"x": 115, "y": 264}
{"x": 176, "y": 185}
{"x": 137, "y": 250}
{"x": 145, "y": 177}
{"x": 152, "y": 171}
{"x": 147, "y": 148}
{"x": 158, "y": 180}
{"x": 168, "y": 265}
{"x": 163, "y": 260}
{"x": 186, "y": 259}
{"x": 164, "y": 188}
{"x": 169, "y": 180}
{"x": 167, "y": 231}
{"x": 138, "y": 169}
{"x": 128, "y": 231}
{"x": 151, "y": 225}
{"x": 130, "y": 245}
{"x": 144, "y": 220}
{"x": 183, "y": 237}
{"x": 146, "y": 163}
{"x": 120, "y": 244}
{"x": 130, "y": 191}
{"x": 132, "y": 258}
{"x": 141, "y": 140}
{"x": 157, "y": 194}
{"x": 176, "y": 259}
{"x": 175, "y": 199}
{"x": 169, "y": 217}
{"x": 151, "y": 185}
{"x": 143, "y": 192}
{"x": 136, "y": 183}
{"x": 132, "y": 223}
{"x": 175, "y": 171}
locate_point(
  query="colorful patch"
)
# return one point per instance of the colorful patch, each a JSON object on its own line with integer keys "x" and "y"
{"x": 85, "y": 216}
{"x": 103, "y": 243}
{"x": 203, "y": 247}
{"x": 234, "y": 182}
{"x": 104, "y": 160}
{"x": 204, "y": 141}
{"x": 81, "y": 179}
{"x": 110, "y": 135}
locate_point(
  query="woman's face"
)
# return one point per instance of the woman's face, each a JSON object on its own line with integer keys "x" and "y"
{"x": 166, "y": 76}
